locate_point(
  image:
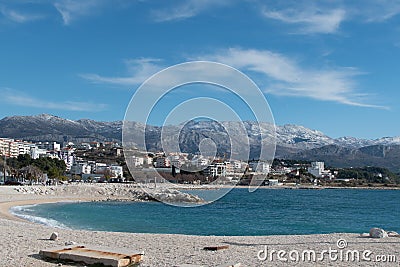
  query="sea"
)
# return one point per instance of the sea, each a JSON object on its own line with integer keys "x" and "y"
{"x": 238, "y": 213}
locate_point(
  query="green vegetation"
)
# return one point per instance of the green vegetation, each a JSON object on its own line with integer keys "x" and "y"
{"x": 369, "y": 175}
{"x": 289, "y": 162}
{"x": 32, "y": 168}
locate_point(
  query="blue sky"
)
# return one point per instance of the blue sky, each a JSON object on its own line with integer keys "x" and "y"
{"x": 327, "y": 65}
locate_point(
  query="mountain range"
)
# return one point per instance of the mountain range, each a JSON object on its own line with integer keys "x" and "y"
{"x": 293, "y": 141}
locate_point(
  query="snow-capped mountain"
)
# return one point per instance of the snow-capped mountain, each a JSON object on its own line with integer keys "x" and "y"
{"x": 46, "y": 127}
{"x": 292, "y": 141}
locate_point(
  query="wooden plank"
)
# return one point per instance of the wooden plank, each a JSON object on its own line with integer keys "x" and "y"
{"x": 215, "y": 248}
{"x": 224, "y": 265}
{"x": 93, "y": 255}
{"x": 230, "y": 265}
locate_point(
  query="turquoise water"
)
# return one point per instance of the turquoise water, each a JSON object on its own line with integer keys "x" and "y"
{"x": 264, "y": 212}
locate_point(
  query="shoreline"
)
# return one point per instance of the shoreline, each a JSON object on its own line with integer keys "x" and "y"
{"x": 22, "y": 240}
{"x": 5, "y": 207}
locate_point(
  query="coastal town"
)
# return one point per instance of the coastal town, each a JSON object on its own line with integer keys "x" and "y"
{"x": 95, "y": 161}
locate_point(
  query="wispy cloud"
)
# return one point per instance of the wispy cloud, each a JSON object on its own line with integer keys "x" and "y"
{"x": 310, "y": 20}
{"x": 73, "y": 9}
{"x": 138, "y": 70}
{"x": 18, "y": 98}
{"x": 377, "y": 10}
{"x": 326, "y": 17}
{"x": 284, "y": 76}
{"x": 188, "y": 9}
{"x": 17, "y": 16}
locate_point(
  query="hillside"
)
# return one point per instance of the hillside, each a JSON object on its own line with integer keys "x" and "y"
{"x": 292, "y": 141}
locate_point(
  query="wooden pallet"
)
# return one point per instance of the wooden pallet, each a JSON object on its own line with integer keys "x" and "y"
{"x": 94, "y": 255}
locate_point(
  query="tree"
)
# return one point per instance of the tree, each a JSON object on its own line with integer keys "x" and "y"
{"x": 24, "y": 160}
{"x": 31, "y": 173}
{"x": 107, "y": 174}
{"x": 54, "y": 172}
{"x": 52, "y": 166}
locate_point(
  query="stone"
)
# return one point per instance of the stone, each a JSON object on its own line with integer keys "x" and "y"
{"x": 54, "y": 236}
{"x": 377, "y": 233}
{"x": 393, "y": 234}
{"x": 70, "y": 243}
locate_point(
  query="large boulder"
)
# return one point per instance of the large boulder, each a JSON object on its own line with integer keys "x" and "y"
{"x": 377, "y": 233}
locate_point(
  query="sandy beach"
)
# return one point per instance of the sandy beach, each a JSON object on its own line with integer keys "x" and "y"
{"x": 21, "y": 241}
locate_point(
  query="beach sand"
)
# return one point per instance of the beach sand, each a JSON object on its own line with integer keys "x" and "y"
{"x": 21, "y": 241}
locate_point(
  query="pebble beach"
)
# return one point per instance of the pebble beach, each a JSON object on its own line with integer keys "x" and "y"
{"x": 22, "y": 240}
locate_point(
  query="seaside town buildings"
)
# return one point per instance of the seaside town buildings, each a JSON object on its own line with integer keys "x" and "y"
{"x": 12, "y": 148}
{"x": 317, "y": 169}
{"x": 80, "y": 167}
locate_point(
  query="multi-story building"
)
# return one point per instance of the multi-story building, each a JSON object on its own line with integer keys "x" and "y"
{"x": 8, "y": 147}
{"x": 318, "y": 170}
{"x": 36, "y": 152}
{"x": 67, "y": 154}
{"x": 85, "y": 146}
{"x": 148, "y": 160}
{"x": 13, "y": 150}
{"x": 216, "y": 169}
{"x": 162, "y": 162}
{"x": 230, "y": 170}
{"x": 116, "y": 171}
{"x": 259, "y": 167}
{"x": 24, "y": 147}
{"x": 80, "y": 168}
{"x": 100, "y": 168}
{"x": 136, "y": 161}
{"x": 50, "y": 146}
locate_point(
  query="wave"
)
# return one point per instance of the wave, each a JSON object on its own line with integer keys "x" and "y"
{"x": 20, "y": 211}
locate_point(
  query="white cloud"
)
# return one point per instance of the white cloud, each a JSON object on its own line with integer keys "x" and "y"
{"x": 18, "y": 17}
{"x": 325, "y": 16}
{"x": 139, "y": 70}
{"x": 72, "y": 9}
{"x": 278, "y": 74}
{"x": 188, "y": 9}
{"x": 14, "y": 97}
{"x": 310, "y": 20}
{"x": 284, "y": 76}
{"x": 378, "y": 10}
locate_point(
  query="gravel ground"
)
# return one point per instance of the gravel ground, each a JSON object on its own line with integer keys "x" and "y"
{"x": 20, "y": 242}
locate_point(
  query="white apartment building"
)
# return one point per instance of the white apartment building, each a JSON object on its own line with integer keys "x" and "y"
{"x": 148, "y": 160}
{"x": 86, "y": 146}
{"x": 100, "y": 167}
{"x": 24, "y": 148}
{"x": 318, "y": 170}
{"x": 67, "y": 154}
{"x": 200, "y": 161}
{"x": 36, "y": 152}
{"x": 9, "y": 147}
{"x": 81, "y": 168}
{"x": 162, "y": 162}
{"x": 137, "y": 161}
{"x": 50, "y": 146}
{"x": 216, "y": 169}
{"x": 12, "y": 148}
{"x": 116, "y": 171}
{"x": 259, "y": 167}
